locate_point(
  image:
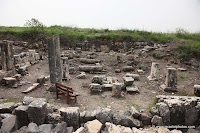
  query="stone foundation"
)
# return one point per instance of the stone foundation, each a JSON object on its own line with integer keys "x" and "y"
{"x": 170, "y": 110}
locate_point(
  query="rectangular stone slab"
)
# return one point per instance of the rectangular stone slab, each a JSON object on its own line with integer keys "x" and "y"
{"x": 31, "y": 88}
{"x": 91, "y": 68}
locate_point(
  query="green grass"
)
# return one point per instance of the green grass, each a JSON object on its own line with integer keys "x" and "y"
{"x": 130, "y": 104}
{"x": 152, "y": 105}
{"x": 11, "y": 99}
{"x": 81, "y": 34}
{"x": 190, "y": 41}
{"x": 183, "y": 77}
{"x": 155, "y": 55}
{"x": 189, "y": 50}
{"x": 84, "y": 33}
{"x": 141, "y": 66}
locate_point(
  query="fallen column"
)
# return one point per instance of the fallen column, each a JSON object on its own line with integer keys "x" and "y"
{"x": 88, "y": 61}
{"x": 91, "y": 68}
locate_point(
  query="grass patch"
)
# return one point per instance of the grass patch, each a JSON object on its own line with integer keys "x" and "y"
{"x": 141, "y": 66}
{"x": 130, "y": 104}
{"x": 155, "y": 55}
{"x": 183, "y": 77}
{"x": 100, "y": 101}
{"x": 191, "y": 94}
{"x": 11, "y": 99}
{"x": 152, "y": 105}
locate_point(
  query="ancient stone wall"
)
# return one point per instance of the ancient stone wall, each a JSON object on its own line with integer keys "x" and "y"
{"x": 36, "y": 114}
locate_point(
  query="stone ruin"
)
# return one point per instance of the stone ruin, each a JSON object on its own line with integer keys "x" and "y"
{"x": 101, "y": 83}
{"x": 37, "y": 115}
{"x": 171, "y": 80}
{"x": 7, "y": 60}
{"x": 15, "y": 66}
{"x": 154, "y": 75}
{"x": 23, "y": 60}
{"x": 197, "y": 90}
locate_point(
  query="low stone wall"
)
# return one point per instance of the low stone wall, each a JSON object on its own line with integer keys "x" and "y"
{"x": 36, "y": 114}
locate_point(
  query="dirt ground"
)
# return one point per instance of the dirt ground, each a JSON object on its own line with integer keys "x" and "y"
{"x": 144, "y": 100}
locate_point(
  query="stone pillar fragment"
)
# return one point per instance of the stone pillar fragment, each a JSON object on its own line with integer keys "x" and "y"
{"x": 86, "y": 45}
{"x": 154, "y": 71}
{"x": 17, "y": 59}
{"x": 117, "y": 89}
{"x": 65, "y": 66}
{"x": 171, "y": 80}
{"x": 55, "y": 66}
{"x": 7, "y": 59}
{"x": 98, "y": 47}
{"x": 83, "y": 47}
{"x": 32, "y": 56}
{"x": 197, "y": 90}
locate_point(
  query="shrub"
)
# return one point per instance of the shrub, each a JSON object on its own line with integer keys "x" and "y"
{"x": 155, "y": 55}
{"x": 189, "y": 50}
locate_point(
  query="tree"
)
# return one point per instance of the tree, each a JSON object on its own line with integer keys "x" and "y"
{"x": 34, "y": 25}
{"x": 34, "y": 29}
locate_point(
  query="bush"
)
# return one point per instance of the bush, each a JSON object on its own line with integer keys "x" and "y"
{"x": 155, "y": 55}
{"x": 189, "y": 50}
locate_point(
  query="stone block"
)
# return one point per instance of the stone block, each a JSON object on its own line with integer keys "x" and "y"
{"x": 53, "y": 118}
{"x": 7, "y": 107}
{"x": 132, "y": 89}
{"x": 117, "y": 89}
{"x": 197, "y": 90}
{"x": 91, "y": 68}
{"x": 60, "y": 128}
{"x": 32, "y": 128}
{"x": 41, "y": 80}
{"x": 98, "y": 79}
{"x": 104, "y": 115}
{"x": 37, "y": 111}
{"x": 128, "y": 81}
{"x": 95, "y": 88}
{"x": 9, "y": 124}
{"x": 71, "y": 116}
{"x": 127, "y": 68}
{"x": 107, "y": 87}
{"x": 134, "y": 76}
{"x": 21, "y": 113}
{"x": 93, "y": 126}
{"x": 9, "y": 81}
{"x": 45, "y": 128}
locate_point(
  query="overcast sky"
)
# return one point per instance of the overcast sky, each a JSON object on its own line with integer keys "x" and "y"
{"x": 151, "y": 15}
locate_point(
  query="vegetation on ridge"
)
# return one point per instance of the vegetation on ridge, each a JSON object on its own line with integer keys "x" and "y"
{"x": 34, "y": 29}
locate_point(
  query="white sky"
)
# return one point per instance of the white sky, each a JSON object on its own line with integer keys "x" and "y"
{"x": 151, "y": 15}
